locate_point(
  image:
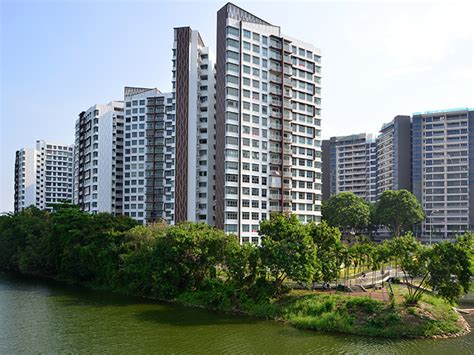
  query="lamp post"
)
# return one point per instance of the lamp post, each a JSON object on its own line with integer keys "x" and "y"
{"x": 431, "y": 222}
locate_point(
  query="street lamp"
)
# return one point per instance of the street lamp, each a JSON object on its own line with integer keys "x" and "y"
{"x": 431, "y": 222}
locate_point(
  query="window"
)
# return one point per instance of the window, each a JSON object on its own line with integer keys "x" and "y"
{"x": 232, "y": 43}
{"x": 232, "y": 67}
{"x": 246, "y": 34}
{"x": 233, "y": 31}
{"x": 231, "y": 177}
{"x": 232, "y": 55}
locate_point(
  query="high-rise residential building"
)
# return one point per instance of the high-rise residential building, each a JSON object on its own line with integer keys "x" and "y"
{"x": 98, "y": 159}
{"x": 25, "y": 178}
{"x": 194, "y": 117}
{"x": 351, "y": 166}
{"x": 268, "y": 124}
{"x": 145, "y": 142}
{"x": 169, "y": 140}
{"x": 443, "y": 171}
{"x": 43, "y": 176}
{"x": 394, "y": 155}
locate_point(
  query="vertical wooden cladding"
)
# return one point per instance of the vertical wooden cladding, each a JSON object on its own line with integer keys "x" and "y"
{"x": 183, "y": 37}
{"x": 220, "y": 115}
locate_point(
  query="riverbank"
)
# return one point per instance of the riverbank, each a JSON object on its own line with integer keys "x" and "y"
{"x": 41, "y": 316}
{"x": 347, "y": 314}
{"x": 198, "y": 265}
{"x": 326, "y": 312}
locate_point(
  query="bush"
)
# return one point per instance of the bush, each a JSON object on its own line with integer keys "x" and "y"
{"x": 364, "y": 304}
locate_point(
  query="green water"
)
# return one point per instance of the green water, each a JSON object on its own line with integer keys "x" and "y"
{"x": 38, "y": 316}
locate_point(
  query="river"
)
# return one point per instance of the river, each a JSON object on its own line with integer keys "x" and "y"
{"x": 38, "y": 316}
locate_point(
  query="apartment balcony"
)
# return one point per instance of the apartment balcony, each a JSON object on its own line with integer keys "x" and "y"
{"x": 275, "y": 102}
{"x": 275, "y": 90}
{"x": 276, "y": 114}
{"x": 274, "y": 208}
{"x": 275, "y": 161}
{"x": 275, "y": 137}
{"x": 275, "y": 68}
{"x": 275, "y": 148}
{"x": 275, "y": 56}
{"x": 277, "y": 126}
{"x": 274, "y": 196}
{"x": 276, "y": 79}
{"x": 287, "y": 174}
{"x": 275, "y": 44}
{"x": 287, "y": 209}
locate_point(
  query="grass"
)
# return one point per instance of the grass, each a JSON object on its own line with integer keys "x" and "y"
{"x": 365, "y": 316}
{"x": 343, "y": 313}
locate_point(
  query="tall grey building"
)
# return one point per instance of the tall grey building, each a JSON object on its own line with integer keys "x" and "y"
{"x": 98, "y": 159}
{"x": 268, "y": 124}
{"x": 394, "y": 155}
{"x": 350, "y": 165}
{"x": 443, "y": 171}
{"x": 43, "y": 176}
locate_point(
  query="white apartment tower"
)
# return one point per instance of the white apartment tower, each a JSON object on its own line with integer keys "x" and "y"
{"x": 352, "y": 166}
{"x": 149, "y": 133}
{"x": 443, "y": 171}
{"x": 98, "y": 159}
{"x": 169, "y": 140}
{"x": 394, "y": 155}
{"x": 43, "y": 176}
{"x": 268, "y": 124}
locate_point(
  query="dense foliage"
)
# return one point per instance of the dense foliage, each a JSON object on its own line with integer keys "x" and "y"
{"x": 194, "y": 260}
{"x": 398, "y": 210}
{"x": 347, "y": 211}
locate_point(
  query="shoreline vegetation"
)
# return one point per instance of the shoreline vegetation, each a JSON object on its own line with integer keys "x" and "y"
{"x": 199, "y": 266}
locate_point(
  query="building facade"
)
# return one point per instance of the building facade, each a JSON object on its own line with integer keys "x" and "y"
{"x": 268, "y": 124}
{"x": 194, "y": 116}
{"x": 43, "y": 176}
{"x": 394, "y": 155}
{"x": 442, "y": 175}
{"x": 98, "y": 159}
{"x": 169, "y": 140}
{"x": 351, "y": 166}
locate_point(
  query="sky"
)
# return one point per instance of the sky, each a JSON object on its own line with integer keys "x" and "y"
{"x": 380, "y": 59}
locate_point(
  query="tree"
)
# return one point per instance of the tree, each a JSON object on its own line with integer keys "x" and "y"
{"x": 347, "y": 211}
{"x": 185, "y": 256}
{"x": 412, "y": 257}
{"x": 327, "y": 241}
{"x": 287, "y": 249}
{"x": 398, "y": 210}
{"x": 242, "y": 264}
{"x": 449, "y": 266}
